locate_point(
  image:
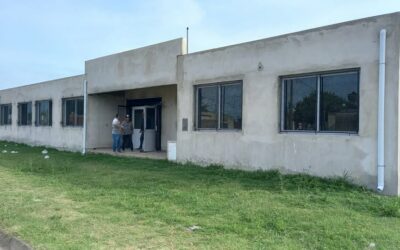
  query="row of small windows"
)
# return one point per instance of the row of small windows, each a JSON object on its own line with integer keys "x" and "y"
{"x": 327, "y": 102}
{"x": 72, "y": 113}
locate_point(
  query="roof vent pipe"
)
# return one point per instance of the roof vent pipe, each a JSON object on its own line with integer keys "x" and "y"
{"x": 381, "y": 112}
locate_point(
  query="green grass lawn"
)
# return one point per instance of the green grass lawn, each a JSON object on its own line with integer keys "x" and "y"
{"x": 103, "y": 202}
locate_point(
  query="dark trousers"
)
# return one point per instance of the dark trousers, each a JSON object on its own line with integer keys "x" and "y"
{"x": 127, "y": 142}
{"x": 141, "y": 140}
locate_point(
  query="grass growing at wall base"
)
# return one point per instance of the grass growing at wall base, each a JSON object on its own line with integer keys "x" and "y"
{"x": 100, "y": 202}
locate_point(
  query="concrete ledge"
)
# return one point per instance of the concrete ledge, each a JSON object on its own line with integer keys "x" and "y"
{"x": 8, "y": 242}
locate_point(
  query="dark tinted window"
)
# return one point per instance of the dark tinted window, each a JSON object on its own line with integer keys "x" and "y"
{"x": 208, "y": 107}
{"x": 73, "y": 111}
{"x": 5, "y": 114}
{"x": 138, "y": 118}
{"x": 231, "y": 106}
{"x": 70, "y": 112}
{"x": 300, "y": 102}
{"x": 150, "y": 118}
{"x": 43, "y": 113}
{"x": 25, "y": 113}
{"x": 339, "y": 102}
{"x": 79, "y": 112}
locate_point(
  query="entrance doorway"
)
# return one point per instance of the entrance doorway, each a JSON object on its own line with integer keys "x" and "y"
{"x": 144, "y": 121}
{"x": 146, "y": 112}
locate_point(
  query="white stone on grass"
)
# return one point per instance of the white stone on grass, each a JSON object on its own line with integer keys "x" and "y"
{"x": 193, "y": 228}
{"x": 45, "y": 151}
{"x": 14, "y": 152}
{"x": 4, "y": 151}
{"x": 46, "y": 157}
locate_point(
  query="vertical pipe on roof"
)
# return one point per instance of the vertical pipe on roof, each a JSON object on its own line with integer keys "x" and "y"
{"x": 381, "y": 112}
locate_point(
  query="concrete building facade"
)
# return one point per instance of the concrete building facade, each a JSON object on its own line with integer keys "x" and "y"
{"x": 303, "y": 102}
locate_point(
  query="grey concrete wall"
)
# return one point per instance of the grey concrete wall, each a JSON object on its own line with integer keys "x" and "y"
{"x": 169, "y": 108}
{"x": 56, "y": 135}
{"x": 101, "y": 110}
{"x": 144, "y": 67}
{"x": 260, "y": 145}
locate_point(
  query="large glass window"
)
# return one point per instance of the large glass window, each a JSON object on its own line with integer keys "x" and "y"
{"x": 339, "y": 102}
{"x": 150, "y": 118}
{"x": 231, "y": 106}
{"x": 5, "y": 114}
{"x": 219, "y": 106}
{"x": 208, "y": 107}
{"x": 25, "y": 113}
{"x": 73, "y": 111}
{"x": 138, "y": 120}
{"x": 321, "y": 102}
{"x": 43, "y": 113}
{"x": 300, "y": 103}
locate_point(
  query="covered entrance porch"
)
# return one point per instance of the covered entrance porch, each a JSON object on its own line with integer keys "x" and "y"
{"x": 153, "y": 112}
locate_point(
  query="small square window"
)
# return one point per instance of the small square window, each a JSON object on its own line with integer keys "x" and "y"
{"x": 25, "y": 114}
{"x": 73, "y": 111}
{"x": 219, "y": 106}
{"x": 43, "y": 113}
{"x": 5, "y": 114}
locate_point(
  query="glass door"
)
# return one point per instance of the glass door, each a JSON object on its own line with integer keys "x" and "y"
{"x": 138, "y": 124}
{"x": 144, "y": 121}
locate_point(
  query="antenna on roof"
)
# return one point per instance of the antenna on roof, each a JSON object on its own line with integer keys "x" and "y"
{"x": 187, "y": 40}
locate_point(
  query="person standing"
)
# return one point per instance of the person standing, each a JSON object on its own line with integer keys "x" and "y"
{"x": 141, "y": 134}
{"x": 116, "y": 134}
{"x": 127, "y": 133}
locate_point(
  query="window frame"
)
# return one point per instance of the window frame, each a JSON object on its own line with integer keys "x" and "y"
{"x": 19, "y": 118}
{"x": 2, "y": 123}
{"x": 64, "y": 111}
{"x": 50, "y": 124}
{"x": 318, "y": 75}
{"x": 219, "y": 109}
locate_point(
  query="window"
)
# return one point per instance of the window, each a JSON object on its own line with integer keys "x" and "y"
{"x": 150, "y": 118}
{"x": 43, "y": 113}
{"x": 72, "y": 111}
{"x": 300, "y": 97}
{"x": 326, "y": 102}
{"x": 25, "y": 113}
{"x": 5, "y": 114}
{"x": 219, "y": 106}
{"x": 138, "y": 119}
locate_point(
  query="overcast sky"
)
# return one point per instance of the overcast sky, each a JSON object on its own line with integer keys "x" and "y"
{"x": 43, "y": 40}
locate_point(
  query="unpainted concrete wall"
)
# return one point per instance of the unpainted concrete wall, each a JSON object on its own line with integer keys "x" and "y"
{"x": 260, "y": 145}
{"x": 101, "y": 110}
{"x": 169, "y": 108}
{"x": 139, "y": 68}
{"x": 69, "y": 138}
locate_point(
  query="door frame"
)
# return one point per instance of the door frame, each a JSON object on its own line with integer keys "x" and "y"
{"x": 157, "y": 102}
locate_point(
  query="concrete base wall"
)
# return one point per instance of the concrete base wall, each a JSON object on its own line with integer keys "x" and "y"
{"x": 260, "y": 145}
{"x": 57, "y": 136}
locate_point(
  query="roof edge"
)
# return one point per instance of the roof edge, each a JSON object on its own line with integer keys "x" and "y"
{"x": 43, "y": 82}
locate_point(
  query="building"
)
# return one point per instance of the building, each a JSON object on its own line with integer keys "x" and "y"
{"x": 302, "y": 102}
